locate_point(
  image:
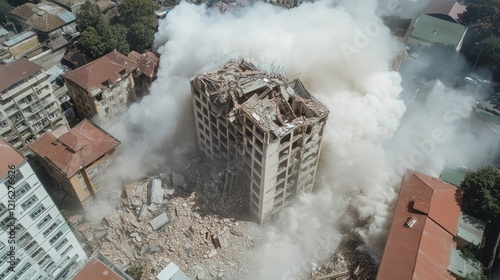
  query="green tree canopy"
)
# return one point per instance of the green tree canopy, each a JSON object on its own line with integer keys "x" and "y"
{"x": 5, "y": 9}
{"x": 140, "y": 36}
{"x": 91, "y": 43}
{"x": 487, "y": 52}
{"x": 482, "y": 194}
{"x": 134, "y": 11}
{"x": 88, "y": 15}
{"x": 484, "y": 16}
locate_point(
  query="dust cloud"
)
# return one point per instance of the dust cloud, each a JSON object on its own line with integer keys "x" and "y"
{"x": 342, "y": 53}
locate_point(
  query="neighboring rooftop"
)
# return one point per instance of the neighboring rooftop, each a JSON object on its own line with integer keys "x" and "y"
{"x": 147, "y": 63}
{"x": 14, "y": 40}
{"x": 100, "y": 268}
{"x": 471, "y": 229}
{"x": 45, "y": 16}
{"x": 445, "y": 9}
{"x": 453, "y": 175}
{"x": 9, "y": 157}
{"x": 101, "y": 73}
{"x": 17, "y": 71}
{"x": 77, "y": 148}
{"x": 423, "y": 226}
{"x": 434, "y": 30}
{"x": 267, "y": 99}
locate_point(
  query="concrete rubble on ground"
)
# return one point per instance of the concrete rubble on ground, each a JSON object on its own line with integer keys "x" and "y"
{"x": 347, "y": 262}
{"x": 181, "y": 218}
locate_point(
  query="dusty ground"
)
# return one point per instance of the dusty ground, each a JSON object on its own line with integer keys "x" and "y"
{"x": 208, "y": 234}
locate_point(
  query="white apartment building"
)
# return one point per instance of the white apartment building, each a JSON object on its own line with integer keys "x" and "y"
{"x": 271, "y": 127}
{"x": 45, "y": 246}
{"x": 28, "y": 106}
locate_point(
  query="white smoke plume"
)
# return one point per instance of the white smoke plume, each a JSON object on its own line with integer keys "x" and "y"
{"x": 342, "y": 53}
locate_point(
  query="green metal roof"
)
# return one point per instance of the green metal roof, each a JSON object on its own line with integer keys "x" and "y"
{"x": 452, "y": 175}
{"x": 434, "y": 30}
{"x": 487, "y": 117}
{"x": 471, "y": 229}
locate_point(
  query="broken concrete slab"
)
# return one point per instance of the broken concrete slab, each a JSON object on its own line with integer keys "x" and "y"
{"x": 212, "y": 253}
{"x": 178, "y": 180}
{"x": 155, "y": 249}
{"x": 138, "y": 191}
{"x": 152, "y": 207}
{"x": 159, "y": 221}
{"x": 155, "y": 192}
{"x": 142, "y": 213}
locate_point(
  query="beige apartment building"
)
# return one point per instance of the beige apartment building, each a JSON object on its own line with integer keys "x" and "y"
{"x": 78, "y": 159}
{"x": 102, "y": 88}
{"x": 28, "y": 106}
{"x": 270, "y": 127}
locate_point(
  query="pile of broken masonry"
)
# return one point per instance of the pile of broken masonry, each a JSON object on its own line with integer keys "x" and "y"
{"x": 159, "y": 220}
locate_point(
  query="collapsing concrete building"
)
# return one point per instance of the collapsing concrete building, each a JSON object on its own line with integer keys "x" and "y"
{"x": 270, "y": 127}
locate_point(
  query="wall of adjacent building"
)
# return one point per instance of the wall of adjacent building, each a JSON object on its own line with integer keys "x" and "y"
{"x": 46, "y": 246}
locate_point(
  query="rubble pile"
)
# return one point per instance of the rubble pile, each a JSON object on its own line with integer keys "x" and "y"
{"x": 347, "y": 262}
{"x": 163, "y": 220}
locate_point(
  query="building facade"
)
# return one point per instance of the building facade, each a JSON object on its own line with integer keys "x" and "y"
{"x": 45, "y": 246}
{"x": 102, "y": 88}
{"x": 77, "y": 160}
{"x": 28, "y": 106}
{"x": 271, "y": 127}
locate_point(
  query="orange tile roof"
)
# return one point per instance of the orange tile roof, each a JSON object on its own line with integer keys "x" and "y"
{"x": 147, "y": 63}
{"x": 106, "y": 69}
{"x": 422, "y": 251}
{"x": 77, "y": 148}
{"x": 94, "y": 269}
{"x": 9, "y": 157}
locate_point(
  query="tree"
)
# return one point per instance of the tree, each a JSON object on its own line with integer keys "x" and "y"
{"x": 139, "y": 18}
{"x": 120, "y": 33}
{"x": 88, "y": 15}
{"x": 91, "y": 43}
{"x": 487, "y": 52}
{"x": 5, "y": 9}
{"x": 140, "y": 36}
{"x": 482, "y": 194}
{"x": 134, "y": 11}
{"x": 484, "y": 16}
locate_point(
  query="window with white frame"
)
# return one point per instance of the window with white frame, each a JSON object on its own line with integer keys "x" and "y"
{"x": 30, "y": 202}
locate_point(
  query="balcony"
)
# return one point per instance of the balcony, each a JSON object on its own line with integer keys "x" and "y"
{"x": 26, "y": 84}
{"x": 5, "y": 129}
{"x": 48, "y": 100}
{"x": 21, "y": 127}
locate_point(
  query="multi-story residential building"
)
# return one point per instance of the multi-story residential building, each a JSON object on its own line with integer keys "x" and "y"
{"x": 103, "y": 87}
{"x": 28, "y": 106}
{"x": 272, "y": 127}
{"x": 77, "y": 160}
{"x": 145, "y": 73}
{"x": 45, "y": 246}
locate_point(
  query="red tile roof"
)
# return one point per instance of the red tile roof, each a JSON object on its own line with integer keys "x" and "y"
{"x": 9, "y": 157}
{"x": 94, "y": 269}
{"x": 106, "y": 69}
{"x": 445, "y": 7}
{"x": 77, "y": 148}
{"x": 147, "y": 63}
{"x": 422, "y": 251}
{"x": 17, "y": 71}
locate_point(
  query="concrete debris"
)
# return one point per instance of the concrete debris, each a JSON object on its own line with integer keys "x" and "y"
{"x": 178, "y": 229}
{"x": 138, "y": 191}
{"x": 155, "y": 192}
{"x": 159, "y": 221}
{"x": 142, "y": 213}
{"x": 152, "y": 207}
